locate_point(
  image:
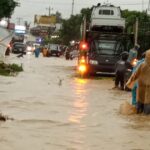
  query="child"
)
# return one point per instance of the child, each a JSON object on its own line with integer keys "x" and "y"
{"x": 121, "y": 67}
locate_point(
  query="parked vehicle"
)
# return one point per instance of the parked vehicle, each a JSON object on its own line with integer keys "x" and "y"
{"x": 18, "y": 47}
{"x": 54, "y": 50}
{"x": 102, "y": 44}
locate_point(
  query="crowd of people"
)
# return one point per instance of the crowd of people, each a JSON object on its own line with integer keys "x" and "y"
{"x": 139, "y": 81}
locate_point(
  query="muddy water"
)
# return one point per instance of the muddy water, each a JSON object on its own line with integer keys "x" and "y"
{"x": 54, "y": 110}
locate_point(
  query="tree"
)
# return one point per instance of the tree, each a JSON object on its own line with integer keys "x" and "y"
{"x": 7, "y": 7}
{"x": 131, "y": 16}
{"x": 71, "y": 27}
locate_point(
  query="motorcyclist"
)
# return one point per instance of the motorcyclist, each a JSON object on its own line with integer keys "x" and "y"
{"x": 133, "y": 54}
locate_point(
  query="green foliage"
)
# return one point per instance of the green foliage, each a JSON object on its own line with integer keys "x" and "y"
{"x": 15, "y": 67}
{"x": 86, "y": 12}
{"x": 7, "y": 7}
{"x": 71, "y": 27}
{"x": 131, "y": 16}
{"x": 9, "y": 69}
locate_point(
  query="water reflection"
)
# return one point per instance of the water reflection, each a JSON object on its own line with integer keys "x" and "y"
{"x": 80, "y": 103}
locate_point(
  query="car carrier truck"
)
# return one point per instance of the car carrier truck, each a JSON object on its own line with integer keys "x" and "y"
{"x": 103, "y": 41}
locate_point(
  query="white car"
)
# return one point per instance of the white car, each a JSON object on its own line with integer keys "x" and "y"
{"x": 107, "y": 16}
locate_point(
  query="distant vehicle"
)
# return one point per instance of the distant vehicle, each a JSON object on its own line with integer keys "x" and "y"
{"x": 54, "y": 50}
{"x": 20, "y": 29}
{"x": 39, "y": 31}
{"x": 31, "y": 45}
{"x": 18, "y": 47}
{"x": 17, "y": 38}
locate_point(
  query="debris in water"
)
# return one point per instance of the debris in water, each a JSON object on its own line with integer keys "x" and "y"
{"x": 60, "y": 81}
{"x": 127, "y": 109}
{"x": 4, "y": 118}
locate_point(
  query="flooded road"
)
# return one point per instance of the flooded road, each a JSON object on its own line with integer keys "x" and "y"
{"x": 55, "y": 110}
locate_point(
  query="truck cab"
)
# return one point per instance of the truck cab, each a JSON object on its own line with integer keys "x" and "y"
{"x": 104, "y": 50}
{"x": 105, "y": 38}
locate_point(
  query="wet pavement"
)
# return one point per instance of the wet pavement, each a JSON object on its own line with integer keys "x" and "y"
{"x": 55, "y": 110}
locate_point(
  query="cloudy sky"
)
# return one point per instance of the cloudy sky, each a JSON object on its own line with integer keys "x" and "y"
{"x": 28, "y": 8}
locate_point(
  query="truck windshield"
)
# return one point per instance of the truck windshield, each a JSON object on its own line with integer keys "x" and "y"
{"x": 105, "y": 47}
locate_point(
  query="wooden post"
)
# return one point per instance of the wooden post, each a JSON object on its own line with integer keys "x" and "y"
{"x": 84, "y": 28}
{"x": 136, "y": 32}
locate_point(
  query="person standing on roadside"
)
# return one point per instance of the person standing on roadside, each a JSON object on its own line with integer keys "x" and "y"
{"x": 133, "y": 53}
{"x": 7, "y": 52}
{"x": 142, "y": 77}
{"x": 121, "y": 67}
{"x": 37, "y": 51}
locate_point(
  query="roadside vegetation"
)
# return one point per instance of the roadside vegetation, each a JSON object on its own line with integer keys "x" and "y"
{"x": 7, "y": 7}
{"x": 10, "y": 69}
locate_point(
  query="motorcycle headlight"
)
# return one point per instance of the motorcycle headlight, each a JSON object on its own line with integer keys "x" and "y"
{"x": 29, "y": 48}
{"x": 93, "y": 62}
{"x": 134, "y": 62}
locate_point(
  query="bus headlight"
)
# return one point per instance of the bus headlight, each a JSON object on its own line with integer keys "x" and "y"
{"x": 93, "y": 62}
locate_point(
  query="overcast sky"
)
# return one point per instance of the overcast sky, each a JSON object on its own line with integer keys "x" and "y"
{"x": 28, "y": 8}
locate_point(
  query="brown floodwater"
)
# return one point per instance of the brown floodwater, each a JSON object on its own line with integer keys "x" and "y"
{"x": 55, "y": 110}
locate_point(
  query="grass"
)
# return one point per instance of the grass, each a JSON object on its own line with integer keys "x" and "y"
{"x": 9, "y": 69}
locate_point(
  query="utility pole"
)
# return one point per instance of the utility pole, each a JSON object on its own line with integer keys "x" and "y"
{"x": 19, "y": 20}
{"x": 148, "y": 10}
{"x": 49, "y": 10}
{"x": 72, "y": 7}
{"x": 136, "y": 32}
{"x": 142, "y": 5}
